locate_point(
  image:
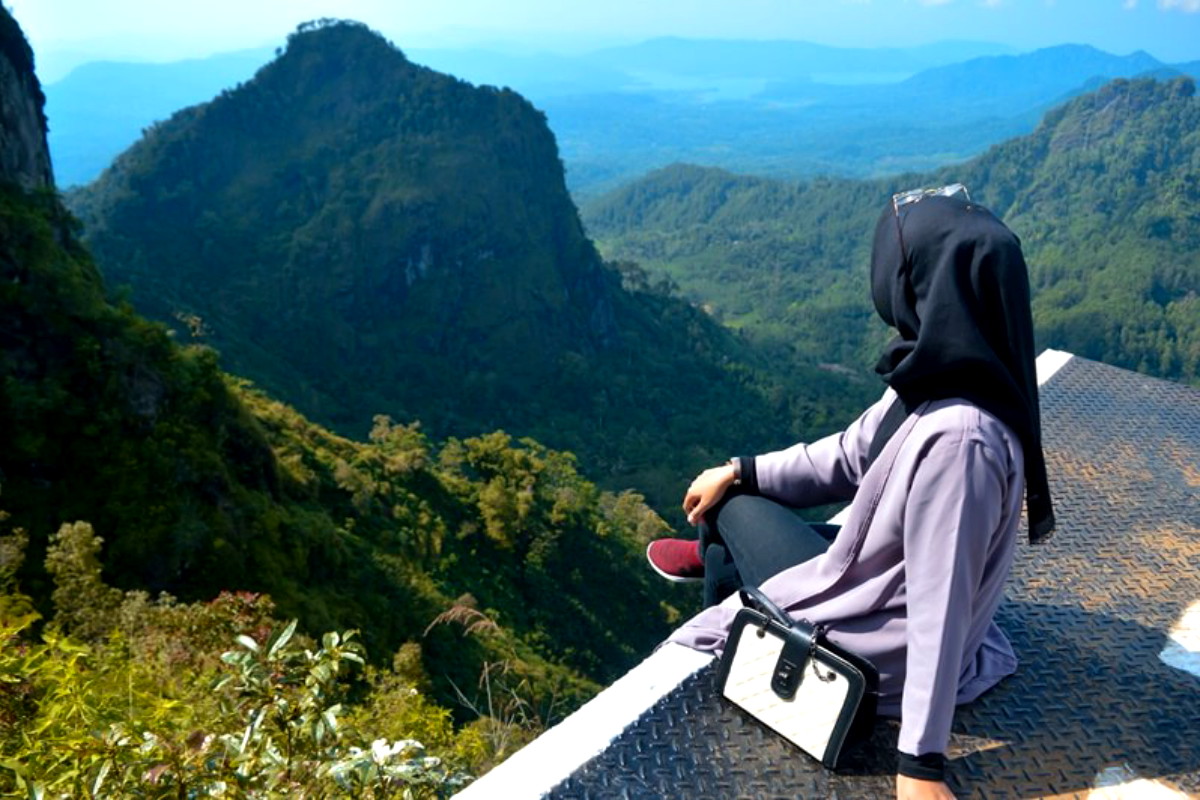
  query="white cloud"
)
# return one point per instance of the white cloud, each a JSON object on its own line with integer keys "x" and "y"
{"x": 1187, "y": 6}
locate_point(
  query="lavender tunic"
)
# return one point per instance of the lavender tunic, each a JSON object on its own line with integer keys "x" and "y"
{"x": 916, "y": 573}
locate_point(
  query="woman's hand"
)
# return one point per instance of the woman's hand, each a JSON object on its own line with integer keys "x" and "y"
{"x": 706, "y": 491}
{"x": 916, "y": 789}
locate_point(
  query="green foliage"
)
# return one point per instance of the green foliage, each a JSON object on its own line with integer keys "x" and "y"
{"x": 84, "y": 606}
{"x": 101, "y": 727}
{"x": 152, "y": 705}
{"x": 784, "y": 263}
{"x": 1104, "y": 196}
{"x": 13, "y": 604}
{"x": 397, "y": 707}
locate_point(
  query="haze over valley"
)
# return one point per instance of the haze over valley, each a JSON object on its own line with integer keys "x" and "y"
{"x": 785, "y": 109}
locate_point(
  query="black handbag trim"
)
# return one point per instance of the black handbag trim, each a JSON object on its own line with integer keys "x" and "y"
{"x": 803, "y": 641}
{"x": 799, "y": 644}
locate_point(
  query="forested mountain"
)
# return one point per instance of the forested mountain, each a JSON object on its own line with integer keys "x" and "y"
{"x": 1105, "y": 195}
{"x": 361, "y": 235}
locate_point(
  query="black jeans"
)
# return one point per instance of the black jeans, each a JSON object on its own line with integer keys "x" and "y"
{"x": 746, "y": 539}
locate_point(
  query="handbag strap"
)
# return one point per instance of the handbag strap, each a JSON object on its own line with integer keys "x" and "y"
{"x": 893, "y": 418}
{"x": 753, "y": 597}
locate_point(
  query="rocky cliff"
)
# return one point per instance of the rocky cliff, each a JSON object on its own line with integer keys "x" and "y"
{"x": 24, "y": 156}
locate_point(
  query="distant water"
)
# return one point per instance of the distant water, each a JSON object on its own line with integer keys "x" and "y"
{"x": 858, "y": 78}
{"x": 713, "y": 88}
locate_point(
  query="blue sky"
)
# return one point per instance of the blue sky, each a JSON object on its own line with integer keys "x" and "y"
{"x": 170, "y": 29}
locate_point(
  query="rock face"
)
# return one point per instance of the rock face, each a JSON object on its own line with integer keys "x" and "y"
{"x": 24, "y": 156}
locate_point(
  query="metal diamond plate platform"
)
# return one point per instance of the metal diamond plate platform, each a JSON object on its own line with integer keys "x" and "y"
{"x": 1089, "y": 613}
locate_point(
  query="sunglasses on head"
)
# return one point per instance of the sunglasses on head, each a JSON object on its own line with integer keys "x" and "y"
{"x": 902, "y": 199}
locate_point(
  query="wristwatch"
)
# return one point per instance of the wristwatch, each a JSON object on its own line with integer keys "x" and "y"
{"x": 736, "y": 463}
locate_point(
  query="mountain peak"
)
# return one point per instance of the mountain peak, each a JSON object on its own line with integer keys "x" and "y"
{"x": 327, "y": 34}
{"x": 321, "y": 56}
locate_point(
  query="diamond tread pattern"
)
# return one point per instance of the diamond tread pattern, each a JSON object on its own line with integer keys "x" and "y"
{"x": 1088, "y": 614}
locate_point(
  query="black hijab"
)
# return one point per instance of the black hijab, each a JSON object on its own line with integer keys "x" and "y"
{"x": 951, "y": 279}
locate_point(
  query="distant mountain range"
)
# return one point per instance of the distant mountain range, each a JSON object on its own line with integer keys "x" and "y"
{"x": 1002, "y": 85}
{"x": 779, "y": 108}
{"x": 1105, "y": 195}
{"x": 102, "y": 107}
{"x": 710, "y": 66}
{"x": 804, "y": 128}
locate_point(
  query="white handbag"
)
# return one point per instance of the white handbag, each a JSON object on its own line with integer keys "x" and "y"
{"x": 788, "y": 676}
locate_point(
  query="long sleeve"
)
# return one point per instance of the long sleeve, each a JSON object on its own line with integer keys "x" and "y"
{"x": 952, "y": 522}
{"x": 826, "y": 471}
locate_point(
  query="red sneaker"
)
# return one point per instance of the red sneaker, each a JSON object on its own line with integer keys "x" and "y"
{"x": 676, "y": 559}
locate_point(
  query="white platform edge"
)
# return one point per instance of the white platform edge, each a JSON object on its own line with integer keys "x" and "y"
{"x": 1183, "y": 642}
{"x": 1121, "y": 782}
{"x": 551, "y": 758}
{"x": 1050, "y": 362}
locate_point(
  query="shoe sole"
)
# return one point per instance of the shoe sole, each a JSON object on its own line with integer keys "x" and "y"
{"x": 667, "y": 575}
